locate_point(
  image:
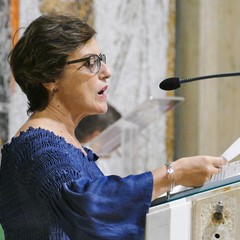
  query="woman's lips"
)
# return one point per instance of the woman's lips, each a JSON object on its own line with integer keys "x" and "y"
{"x": 102, "y": 94}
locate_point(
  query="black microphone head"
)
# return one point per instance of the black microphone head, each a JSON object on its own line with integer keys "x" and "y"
{"x": 170, "y": 83}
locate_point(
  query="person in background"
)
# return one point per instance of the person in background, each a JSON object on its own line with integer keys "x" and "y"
{"x": 50, "y": 185}
{"x": 90, "y": 127}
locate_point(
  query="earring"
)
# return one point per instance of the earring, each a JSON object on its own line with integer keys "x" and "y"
{"x": 54, "y": 90}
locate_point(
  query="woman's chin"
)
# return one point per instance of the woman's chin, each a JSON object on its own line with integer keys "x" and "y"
{"x": 102, "y": 109}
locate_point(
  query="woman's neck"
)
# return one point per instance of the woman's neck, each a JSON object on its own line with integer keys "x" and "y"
{"x": 61, "y": 124}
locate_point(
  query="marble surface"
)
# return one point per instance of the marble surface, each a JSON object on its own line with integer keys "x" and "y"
{"x": 134, "y": 37}
{"x": 4, "y": 69}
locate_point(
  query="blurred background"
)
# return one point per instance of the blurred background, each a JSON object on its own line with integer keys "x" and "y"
{"x": 146, "y": 41}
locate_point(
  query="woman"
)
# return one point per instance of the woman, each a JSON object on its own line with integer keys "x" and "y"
{"x": 51, "y": 187}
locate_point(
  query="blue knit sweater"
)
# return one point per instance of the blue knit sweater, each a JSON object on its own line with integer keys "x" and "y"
{"x": 50, "y": 190}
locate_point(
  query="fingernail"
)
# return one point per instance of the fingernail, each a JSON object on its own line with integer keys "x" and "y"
{"x": 225, "y": 161}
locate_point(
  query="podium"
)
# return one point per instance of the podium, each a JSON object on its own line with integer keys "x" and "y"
{"x": 211, "y": 212}
{"x": 126, "y": 132}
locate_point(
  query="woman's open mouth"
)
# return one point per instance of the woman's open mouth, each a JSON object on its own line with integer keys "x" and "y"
{"x": 102, "y": 94}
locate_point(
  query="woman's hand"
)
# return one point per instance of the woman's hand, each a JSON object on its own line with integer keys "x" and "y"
{"x": 188, "y": 171}
{"x": 195, "y": 171}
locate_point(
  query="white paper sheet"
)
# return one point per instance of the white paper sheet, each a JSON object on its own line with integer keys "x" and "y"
{"x": 232, "y": 168}
{"x": 233, "y": 151}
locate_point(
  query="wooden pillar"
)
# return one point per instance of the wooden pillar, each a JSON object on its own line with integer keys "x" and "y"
{"x": 207, "y": 43}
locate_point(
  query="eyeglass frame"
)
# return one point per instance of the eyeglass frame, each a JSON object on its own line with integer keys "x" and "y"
{"x": 100, "y": 58}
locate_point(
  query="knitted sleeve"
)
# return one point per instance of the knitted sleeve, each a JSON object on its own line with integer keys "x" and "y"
{"x": 109, "y": 207}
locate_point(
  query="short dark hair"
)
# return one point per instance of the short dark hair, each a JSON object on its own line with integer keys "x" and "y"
{"x": 99, "y": 122}
{"x": 41, "y": 53}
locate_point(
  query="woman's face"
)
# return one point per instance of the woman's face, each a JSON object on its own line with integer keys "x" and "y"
{"x": 80, "y": 91}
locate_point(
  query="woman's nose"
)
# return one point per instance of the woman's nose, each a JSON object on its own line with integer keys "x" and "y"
{"x": 104, "y": 72}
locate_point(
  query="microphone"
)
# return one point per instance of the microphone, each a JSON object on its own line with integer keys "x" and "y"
{"x": 174, "y": 82}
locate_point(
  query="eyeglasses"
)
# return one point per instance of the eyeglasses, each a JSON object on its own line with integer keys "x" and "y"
{"x": 92, "y": 62}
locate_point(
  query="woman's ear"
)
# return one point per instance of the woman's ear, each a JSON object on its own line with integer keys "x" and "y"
{"x": 51, "y": 87}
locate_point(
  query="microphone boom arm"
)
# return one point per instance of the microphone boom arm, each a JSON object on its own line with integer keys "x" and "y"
{"x": 210, "y": 76}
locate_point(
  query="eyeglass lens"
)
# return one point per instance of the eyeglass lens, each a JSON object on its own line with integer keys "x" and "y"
{"x": 95, "y": 62}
